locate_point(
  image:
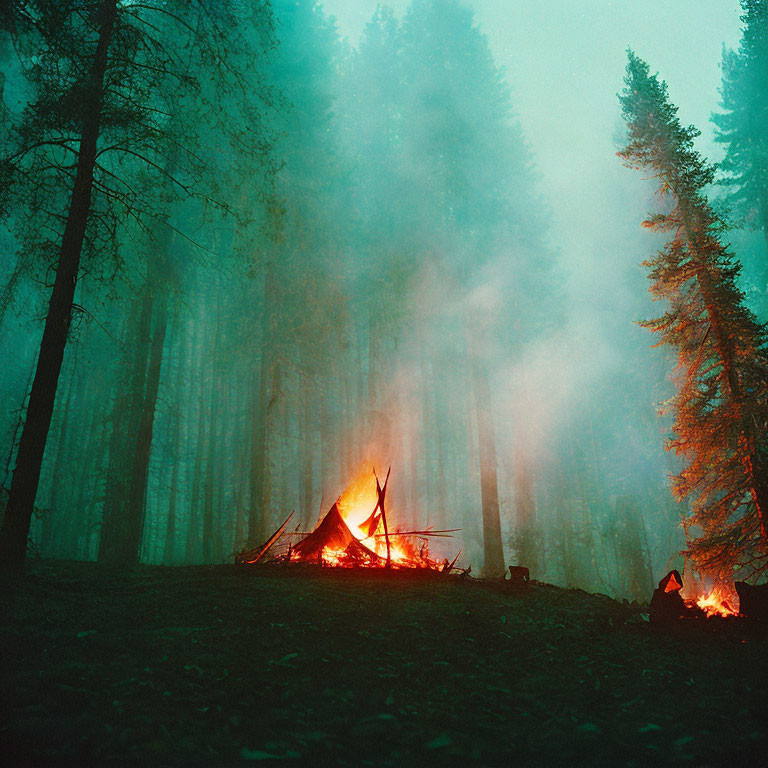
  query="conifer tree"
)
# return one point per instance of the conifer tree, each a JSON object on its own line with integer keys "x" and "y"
{"x": 300, "y": 239}
{"x": 721, "y": 408}
{"x": 106, "y": 78}
{"x": 743, "y": 125}
{"x": 475, "y": 203}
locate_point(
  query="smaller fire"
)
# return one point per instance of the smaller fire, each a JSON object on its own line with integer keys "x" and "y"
{"x": 715, "y": 602}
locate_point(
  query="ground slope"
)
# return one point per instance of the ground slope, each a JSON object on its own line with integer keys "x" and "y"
{"x": 215, "y": 666}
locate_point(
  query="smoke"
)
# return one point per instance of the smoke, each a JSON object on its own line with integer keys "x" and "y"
{"x": 575, "y": 392}
{"x": 411, "y": 298}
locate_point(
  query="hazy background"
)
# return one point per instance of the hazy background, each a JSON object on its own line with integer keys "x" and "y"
{"x": 564, "y": 62}
{"x": 417, "y": 275}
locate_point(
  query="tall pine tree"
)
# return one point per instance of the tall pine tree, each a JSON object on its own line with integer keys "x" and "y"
{"x": 105, "y": 79}
{"x": 721, "y": 409}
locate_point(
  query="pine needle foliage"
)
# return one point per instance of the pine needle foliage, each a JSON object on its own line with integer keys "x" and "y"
{"x": 721, "y": 408}
{"x": 742, "y": 126}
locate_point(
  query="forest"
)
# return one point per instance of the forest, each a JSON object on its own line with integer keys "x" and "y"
{"x": 252, "y": 252}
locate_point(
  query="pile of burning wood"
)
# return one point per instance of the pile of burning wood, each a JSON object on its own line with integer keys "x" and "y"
{"x": 745, "y": 601}
{"x": 352, "y": 536}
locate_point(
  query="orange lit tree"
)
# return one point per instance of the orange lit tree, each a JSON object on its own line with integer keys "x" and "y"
{"x": 721, "y": 408}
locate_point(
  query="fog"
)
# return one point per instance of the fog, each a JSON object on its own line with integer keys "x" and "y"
{"x": 429, "y": 259}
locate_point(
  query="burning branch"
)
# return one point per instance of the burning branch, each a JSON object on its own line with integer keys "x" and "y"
{"x": 253, "y": 557}
{"x": 381, "y": 493}
{"x": 445, "y": 533}
{"x": 348, "y": 536}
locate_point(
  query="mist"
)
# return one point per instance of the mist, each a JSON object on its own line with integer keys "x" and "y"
{"x": 401, "y": 239}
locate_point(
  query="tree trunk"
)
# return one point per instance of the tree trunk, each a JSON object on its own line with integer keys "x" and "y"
{"x": 210, "y": 465}
{"x": 95, "y": 492}
{"x": 258, "y": 436}
{"x": 525, "y": 508}
{"x": 283, "y": 421}
{"x": 271, "y": 418}
{"x": 170, "y": 531}
{"x": 258, "y": 515}
{"x": 26, "y": 476}
{"x": 442, "y": 485}
{"x": 78, "y": 523}
{"x": 415, "y": 435}
{"x": 52, "y": 518}
{"x": 132, "y": 528}
{"x": 493, "y": 551}
{"x": 126, "y": 415}
{"x": 239, "y": 495}
{"x": 305, "y": 456}
{"x": 193, "y": 549}
{"x": 327, "y": 483}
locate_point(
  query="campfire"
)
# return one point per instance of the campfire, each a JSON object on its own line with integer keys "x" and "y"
{"x": 355, "y": 533}
{"x": 717, "y": 601}
{"x": 672, "y": 601}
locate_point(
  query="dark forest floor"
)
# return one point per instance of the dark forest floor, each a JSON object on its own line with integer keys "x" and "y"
{"x": 215, "y": 666}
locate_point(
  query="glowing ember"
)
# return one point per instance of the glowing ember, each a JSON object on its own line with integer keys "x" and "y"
{"x": 333, "y": 556}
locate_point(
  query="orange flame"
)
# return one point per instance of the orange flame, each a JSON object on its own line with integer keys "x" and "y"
{"x": 717, "y": 600}
{"x": 716, "y": 603}
{"x": 356, "y": 506}
{"x": 333, "y": 556}
{"x": 358, "y": 502}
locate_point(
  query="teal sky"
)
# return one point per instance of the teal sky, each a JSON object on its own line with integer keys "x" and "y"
{"x": 564, "y": 61}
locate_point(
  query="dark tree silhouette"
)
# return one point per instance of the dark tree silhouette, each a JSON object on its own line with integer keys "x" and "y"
{"x": 13, "y": 536}
{"x": 111, "y": 88}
